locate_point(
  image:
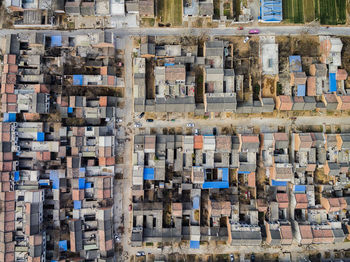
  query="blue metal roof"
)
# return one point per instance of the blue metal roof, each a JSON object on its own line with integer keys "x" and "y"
{"x": 88, "y": 185}
{"x": 16, "y": 178}
{"x": 332, "y": 82}
{"x": 78, "y": 80}
{"x": 295, "y": 63}
{"x": 56, "y": 40}
{"x": 40, "y": 136}
{"x": 215, "y": 184}
{"x": 243, "y": 172}
{"x": 62, "y": 245}
{"x": 70, "y": 109}
{"x": 148, "y": 173}
{"x": 224, "y": 174}
{"x": 9, "y": 117}
{"x": 55, "y": 179}
{"x": 301, "y": 90}
{"x": 194, "y": 244}
{"x": 77, "y": 204}
{"x": 81, "y": 183}
{"x": 271, "y": 10}
{"x": 300, "y": 188}
{"x": 278, "y": 183}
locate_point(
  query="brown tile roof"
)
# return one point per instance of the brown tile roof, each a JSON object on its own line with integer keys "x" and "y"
{"x": 286, "y": 103}
{"x": 280, "y": 136}
{"x": 341, "y": 74}
{"x": 305, "y": 232}
{"x": 322, "y": 235}
{"x": 175, "y": 73}
{"x": 311, "y": 86}
{"x": 286, "y": 232}
{"x": 223, "y": 143}
{"x": 198, "y": 142}
{"x": 283, "y": 200}
{"x": 251, "y": 179}
{"x": 345, "y": 102}
{"x": 250, "y": 138}
{"x": 301, "y": 201}
{"x": 331, "y": 98}
{"x": 103, "y": 101}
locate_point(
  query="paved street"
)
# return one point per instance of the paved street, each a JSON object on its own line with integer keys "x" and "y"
{"x": 264, "y": 30}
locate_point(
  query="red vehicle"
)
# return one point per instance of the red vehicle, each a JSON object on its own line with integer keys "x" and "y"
{"x": 130, "y": 207}
{"x": 240, "y": 28}
{"x": 254, "y": 31}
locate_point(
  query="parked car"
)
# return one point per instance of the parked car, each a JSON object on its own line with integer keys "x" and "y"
{"x": 196, "y": 132}
{"x": 246, "y": 39}
{"x": 172, "y": 120}
{"x": 137, "y": 125}
{"x": 232, "y": 258}
{"x": 254, "y": 31}
{"x": 140, "y": 254}
{"x": 240, "y": 28}
{"x": 215, "y": 131}
{"x": 141, "y": 115}
{"x": 130, "y": 207}
{"x": 190, "y": 125}
{"x": 149, "y": 120}
{"x": 252, "y": 257}
{"x": 119, "y": 120}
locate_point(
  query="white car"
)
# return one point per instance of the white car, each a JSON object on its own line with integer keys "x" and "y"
{"x": 190, "y": 125}
{"x": 140, "y": 254}
{"x": 246, "y": 39}
{"x": 196, "y": 132}
{"x": 137, "y": 125}
{"x": 119, "y": 120}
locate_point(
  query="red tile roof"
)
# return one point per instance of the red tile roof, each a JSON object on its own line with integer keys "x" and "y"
{"x": 311, "y": 86}
{"x": 286, "y": 103}
{"x": 198, "y": 142}
{"x": 301, "y": 200}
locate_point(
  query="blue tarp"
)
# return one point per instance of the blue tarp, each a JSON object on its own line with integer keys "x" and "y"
{"x": 332, "y": 83}
{"x": 62, "y": 245}
{"x": 271, "y": 10}
{"x": 243, "y": 172}
{"x": 77, "y": 204}
{"x": 148, "y": 173}
{"x": 300, "y": 188}
{"x": 194, "y": 244}
{"x": 224, "y": 174}
{"x": 16, "y": 176}
{"x": 196, "y": 202}
{"x": 88, "y": 185}
{"x": 40, "y": 136}
{"x": 55, "y": 179}
{"x": 82, "y": 170}
{"x": 9, "y": 117}
{"x": 169, "y": 64}
{"x": 295, "y": 63}
{"x": 215, "y": 184}
{"x": 78, "y": 80}
{"x": 43, "y": 183}
{"x": 301, "y": 90}
{"x": 56, "y": 40}
{"x": 70, "y": 109}
{"x": 81, "y": 183}
{"x": 278, "y": 183}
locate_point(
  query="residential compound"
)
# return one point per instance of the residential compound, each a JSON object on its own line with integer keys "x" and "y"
{"x": 57, "y": 147}
{"x": 203, "y": 79}
{"x": 242, "y": 189}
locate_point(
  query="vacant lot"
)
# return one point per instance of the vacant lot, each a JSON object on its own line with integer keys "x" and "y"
{"x": 170, "y": 11}
{"x": 328, "y": 12}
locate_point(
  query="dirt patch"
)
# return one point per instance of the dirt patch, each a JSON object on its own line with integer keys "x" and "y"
{"x": 269, "y": 87}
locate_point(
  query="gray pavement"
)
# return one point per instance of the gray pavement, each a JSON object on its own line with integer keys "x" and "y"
{"x": 264, "y": 30}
